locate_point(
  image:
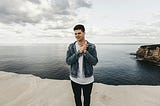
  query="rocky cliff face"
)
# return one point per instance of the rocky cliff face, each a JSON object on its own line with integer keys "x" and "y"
{"x": 149, "y": 53}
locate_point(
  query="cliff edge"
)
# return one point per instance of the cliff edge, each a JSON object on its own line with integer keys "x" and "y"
{"x": 28, "y": 90}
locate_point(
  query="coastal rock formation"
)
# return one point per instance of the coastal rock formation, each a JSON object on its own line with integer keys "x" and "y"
{"x": 150, "y": 53}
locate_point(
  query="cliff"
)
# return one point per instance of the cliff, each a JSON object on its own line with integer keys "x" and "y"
{"x": 28, "y": 90}
{"x": 150, "y": 53}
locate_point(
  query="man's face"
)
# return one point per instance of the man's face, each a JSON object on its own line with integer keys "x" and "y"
{"x": 79, "y": 35}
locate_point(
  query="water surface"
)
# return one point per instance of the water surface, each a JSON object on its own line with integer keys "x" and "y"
{"x": 116, "y": 66}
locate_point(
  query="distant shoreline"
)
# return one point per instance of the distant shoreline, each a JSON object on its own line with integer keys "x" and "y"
{"x": 121, "y": 43}
{"x": 32, "y": 44}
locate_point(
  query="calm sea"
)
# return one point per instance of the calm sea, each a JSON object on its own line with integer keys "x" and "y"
{"x": 116, "y": 66}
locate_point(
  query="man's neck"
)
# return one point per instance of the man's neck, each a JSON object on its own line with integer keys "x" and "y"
{"x": 81, "y": 42}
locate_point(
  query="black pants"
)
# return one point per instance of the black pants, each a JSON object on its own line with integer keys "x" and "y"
{"x": 87, "y": 89}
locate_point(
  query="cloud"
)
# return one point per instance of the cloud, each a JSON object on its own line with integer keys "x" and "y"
{"x": 28, "y": 20}
{"x": 35, "y": 1}
{"x": 146, "y": 32}
{"x": 81, "y": 3}
{"x": 34, "y": 11}
{"x": 18, "y": 12}
{"x": 143, "y": 28}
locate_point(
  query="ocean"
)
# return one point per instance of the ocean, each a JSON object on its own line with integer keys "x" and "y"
{"x": 115, "y": 67}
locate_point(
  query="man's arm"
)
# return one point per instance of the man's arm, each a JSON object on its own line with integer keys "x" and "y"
{"x": 71, "y": 58}
{"x": 91, "y": 57}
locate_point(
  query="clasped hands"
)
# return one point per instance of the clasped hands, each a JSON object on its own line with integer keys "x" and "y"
{"x": 83, "y": 48}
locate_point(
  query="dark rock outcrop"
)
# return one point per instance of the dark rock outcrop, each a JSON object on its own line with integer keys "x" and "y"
{"x": 150, "y": 53}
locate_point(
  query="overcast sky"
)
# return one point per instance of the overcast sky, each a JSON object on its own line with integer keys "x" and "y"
{"x": 106, "y": 21}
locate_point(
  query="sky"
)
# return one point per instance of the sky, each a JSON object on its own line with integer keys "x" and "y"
{"x": 106, "y": 21}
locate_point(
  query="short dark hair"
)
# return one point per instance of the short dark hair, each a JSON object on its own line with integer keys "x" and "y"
{"x": 80, "y": 27}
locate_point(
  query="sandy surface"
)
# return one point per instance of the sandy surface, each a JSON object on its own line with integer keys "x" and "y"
{"x": 28, "y": 90}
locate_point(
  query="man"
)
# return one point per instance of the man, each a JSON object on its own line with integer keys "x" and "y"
{"x": 81, "y": 56}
